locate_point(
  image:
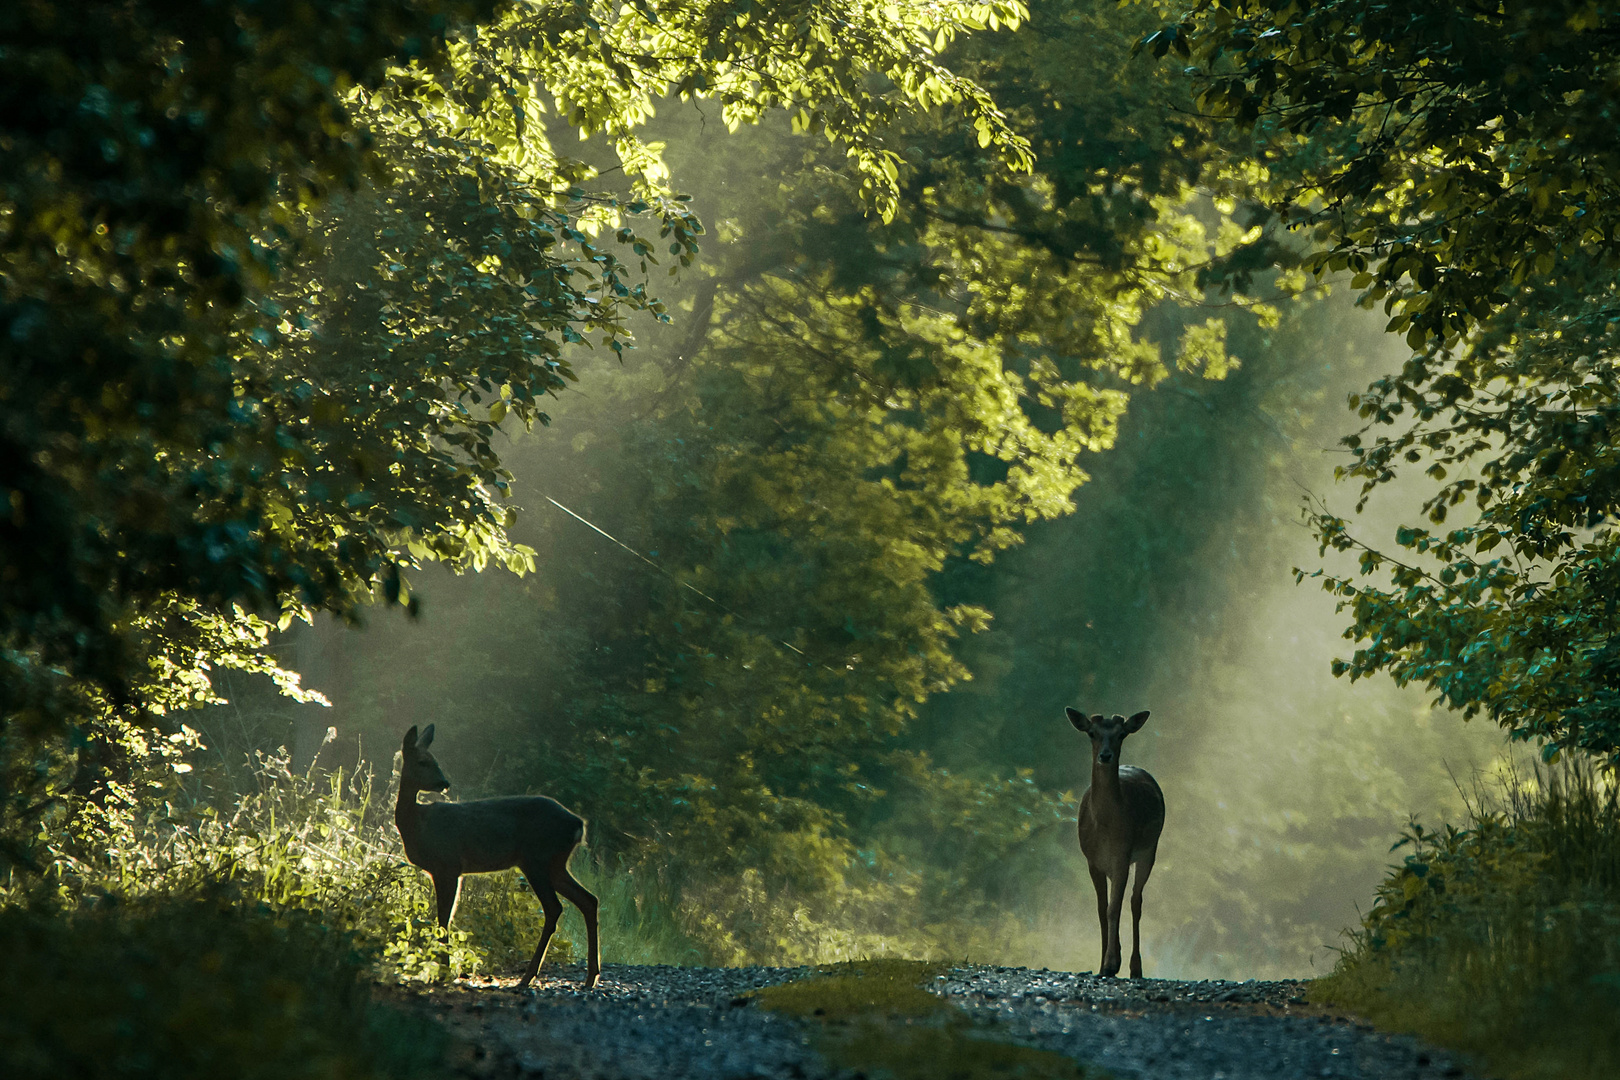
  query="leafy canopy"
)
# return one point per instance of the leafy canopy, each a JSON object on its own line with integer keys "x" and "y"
{"x": 845, "y": 410}
{"x": 1462, "y": 163}
{"x": 271, "y": 277}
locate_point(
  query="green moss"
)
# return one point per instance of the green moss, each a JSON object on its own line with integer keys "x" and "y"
{"x": 876, "y": 1018}
{"x": 859, "y": 989}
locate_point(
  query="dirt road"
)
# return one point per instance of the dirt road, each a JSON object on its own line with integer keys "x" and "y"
{"x": 664, "y": 1023}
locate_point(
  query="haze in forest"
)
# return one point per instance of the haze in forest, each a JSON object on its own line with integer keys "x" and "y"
{"x": 1286, "y": 787}
{"x": 751, "y": 426}
{"x": 1170, "y": 588}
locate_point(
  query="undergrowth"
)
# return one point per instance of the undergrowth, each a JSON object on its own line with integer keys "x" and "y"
{"x": 195, "y": 988}
{"x": 238, "y": 926}
{"x": 876, "y": 1019}
{"x": 234, "y": 922}
{"x": 317, "y": 841}
{"x": 1502, "y": 938}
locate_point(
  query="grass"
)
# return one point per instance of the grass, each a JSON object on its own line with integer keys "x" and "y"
{"x": 326, "y": 841}
{"x": 240, "y": 929}
{"x": 1502, "y": 938}
{"x": 876, "y": 1019}
{"x": 636, "y": 927}
{"x": 953, "y": 1051}
{"x": 239, "y": 935}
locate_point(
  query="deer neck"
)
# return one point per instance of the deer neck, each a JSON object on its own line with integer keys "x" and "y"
{"x": 1105, "y": 783}
{"x": 408, "y": 818}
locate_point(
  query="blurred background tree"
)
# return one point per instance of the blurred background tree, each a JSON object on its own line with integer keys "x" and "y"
{"x": 193, "y": 449}
{"x": 1459, "y": 162}
{"x": 859, "y": 442}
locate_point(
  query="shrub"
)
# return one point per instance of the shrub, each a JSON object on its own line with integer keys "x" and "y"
{"x": 196, "y": 987}
{"x": 1503, "y": 938}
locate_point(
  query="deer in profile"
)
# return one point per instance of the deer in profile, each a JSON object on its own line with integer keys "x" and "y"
{"x": 531, "y": 832}
{"x": 1121, "y": 816}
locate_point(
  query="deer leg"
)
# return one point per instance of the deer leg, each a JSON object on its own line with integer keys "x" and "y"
{"x": 581, "y": 898}
{"x": 1099, "y": 882}
{"x": 553, "y": 909}
{"x": 1116, "y": 902}
{"x": 1144, "y": 867}
{"x": 446, "y": 889}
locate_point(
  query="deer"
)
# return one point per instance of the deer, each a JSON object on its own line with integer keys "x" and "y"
{"x": 1121, "y": 817}
{"x": 531, "y": 832}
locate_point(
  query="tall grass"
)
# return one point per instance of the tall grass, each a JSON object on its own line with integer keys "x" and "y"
{"x": 1502, "y": 937}
{"x": 245, "y": 850}
{"x": 235, "y": 918}
{"x": 238, "y": 927}
{"x": 323, "y": 842}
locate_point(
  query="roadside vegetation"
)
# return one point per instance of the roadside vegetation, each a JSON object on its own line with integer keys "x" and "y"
{"x": 1447, "y": 157}
{"x": 236, "y": 924}
{"x": 1501, "y": 936}
{"x": 190, "y": 987}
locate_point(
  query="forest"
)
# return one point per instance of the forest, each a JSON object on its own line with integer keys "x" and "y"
{"x": 751, "y": 423}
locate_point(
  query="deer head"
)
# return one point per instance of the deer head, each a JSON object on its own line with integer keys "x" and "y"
{"x": 1107, "y": 732}
{"x": 418, "y": 770}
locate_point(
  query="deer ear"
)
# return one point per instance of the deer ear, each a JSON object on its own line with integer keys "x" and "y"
{"x": 410, "y": 737}
{"x": 427, "y": 738}
{"x": 1078, "y": 719}
{"x": 1135, "y": 723}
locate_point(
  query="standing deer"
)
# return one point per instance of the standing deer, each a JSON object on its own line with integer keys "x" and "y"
{"x": 531, "y": 832}
{"x": 1121, "y": 816}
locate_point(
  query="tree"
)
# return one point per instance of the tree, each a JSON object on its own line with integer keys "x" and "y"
{"x": 194, "y": 441}
{"x": 1460, "y": 162}
{"x": 145, "y": 148}
{"x": 845, "y": 408}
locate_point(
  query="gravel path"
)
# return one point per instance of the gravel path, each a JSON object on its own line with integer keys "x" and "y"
{"x": 675, "y": 1023}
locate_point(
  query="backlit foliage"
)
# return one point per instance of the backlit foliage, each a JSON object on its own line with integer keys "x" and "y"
{"x": 842, "y": 409}
{"x": 1459, "y": 162}
{"x": 229, "y": 397}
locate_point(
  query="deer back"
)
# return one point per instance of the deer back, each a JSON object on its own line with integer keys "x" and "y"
{"x": 486, "y": 835}
{"x": 1144, "y": 803}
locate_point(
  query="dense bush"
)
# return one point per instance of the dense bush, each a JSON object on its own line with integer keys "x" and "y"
{"x": 1503, "y": 937}
{"x": 196, "y": 987}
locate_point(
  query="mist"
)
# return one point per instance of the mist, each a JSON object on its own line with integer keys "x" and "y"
{"x": 658, "y": 649}
{"x": 1172, "y": 589}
